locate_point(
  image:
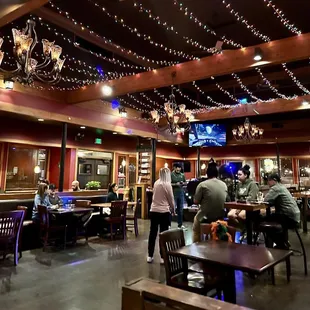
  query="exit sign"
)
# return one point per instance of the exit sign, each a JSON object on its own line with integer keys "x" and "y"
{"x": 98, "y": 141}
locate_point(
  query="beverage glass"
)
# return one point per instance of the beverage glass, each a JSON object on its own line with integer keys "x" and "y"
{"x": 260, "y": 197}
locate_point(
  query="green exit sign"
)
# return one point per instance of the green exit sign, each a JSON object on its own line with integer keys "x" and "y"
{"x": 98, "y": 141}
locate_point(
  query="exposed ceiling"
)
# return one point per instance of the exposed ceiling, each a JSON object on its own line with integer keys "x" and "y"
{"x": 129, "y": 37}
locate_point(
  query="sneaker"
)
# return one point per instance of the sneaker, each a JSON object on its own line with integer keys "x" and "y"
{"x": 182, "y": 227}
{"x": 162, "y": 261}
{"x": 149, "y": 259}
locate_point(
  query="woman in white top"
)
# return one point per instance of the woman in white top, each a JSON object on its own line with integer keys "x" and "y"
{"x": 161, "y": 208}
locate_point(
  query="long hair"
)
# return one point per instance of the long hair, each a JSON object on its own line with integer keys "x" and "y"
{"x": 111, "y": 186}
{"x": 164, "y": 175}
{"x": 42, "y": 187}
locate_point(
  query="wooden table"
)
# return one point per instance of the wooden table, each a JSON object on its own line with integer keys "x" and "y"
{"x": 305, "y": 196}
{"x": 250, "y": 210}
{"x": 134, "y": 293}
{"x": 234, "y": 256}
{"x": 66, "y": 211}
{"x": 107, "y": 205}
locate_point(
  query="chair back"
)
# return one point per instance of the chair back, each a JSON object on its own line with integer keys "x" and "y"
{"x": 83, "y": 203}
{"x": 44, "y": 217}
{"x": 118, "y": 208}
{"x": 11, "y": 223}
{"x": 25, "y": 209}
{"x": 205, "y": 232}
{"x": 137, "y": 211}
{"x": 170, "y": 240}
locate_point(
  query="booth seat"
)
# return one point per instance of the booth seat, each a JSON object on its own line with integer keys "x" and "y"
{"x": 30, "y": 233}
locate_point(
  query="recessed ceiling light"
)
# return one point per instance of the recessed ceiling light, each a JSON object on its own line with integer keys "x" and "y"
{"x": 69, "y": 118}
{"x": 82, "y": 127}
{"x": 258, "y": 54}
{"x": 106, "y": 90}
{"x": 40, "y": 119}
{"x": 159, "y": 140}
{"x": 176, "y": 144}
{"x": 305, "y": 103}
{"x": 114, "y": 133}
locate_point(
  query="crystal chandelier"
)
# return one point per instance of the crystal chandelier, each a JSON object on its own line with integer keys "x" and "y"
{"x": 247, "y": 132}
{"x": 177, "y": 116}
{"x": 28, "y": 68}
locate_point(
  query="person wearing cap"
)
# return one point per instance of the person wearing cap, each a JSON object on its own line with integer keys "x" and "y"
{"x": 286, "y": 213}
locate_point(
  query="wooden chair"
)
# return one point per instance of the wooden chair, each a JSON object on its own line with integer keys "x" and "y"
{"x": 177, "y": 273}
{"x": 205, "y": 234}
{"x": 10, "y": 228}
{"x": 133, "y": 219}
{"x": 117, "y": 216}
{"x": 48, "y": 230}
{"x": 25, "y": 223}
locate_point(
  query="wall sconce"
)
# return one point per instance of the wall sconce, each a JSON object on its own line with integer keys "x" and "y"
{"x": 123, "y": 112}
{"x": 37, "y": 169}
{"x": 8, "y": 84}
{"x": 203, "y": 166}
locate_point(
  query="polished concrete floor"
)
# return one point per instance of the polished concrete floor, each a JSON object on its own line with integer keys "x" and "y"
{"x": 91, "y": 276}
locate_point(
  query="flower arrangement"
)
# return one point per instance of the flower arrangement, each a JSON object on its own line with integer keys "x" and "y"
{"x": 219, "y": 231}
{"x": 93, "y": 185}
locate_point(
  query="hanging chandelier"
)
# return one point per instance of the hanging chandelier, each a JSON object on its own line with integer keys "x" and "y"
{"x": 178, "y": 118}
{"x": 247, "y": 132}
{"x": 28, "y": 69}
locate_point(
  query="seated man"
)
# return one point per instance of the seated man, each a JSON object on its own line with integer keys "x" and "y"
{"x": 53, "y": 196}
{"x": 75, "y": 186}
{"x": 286, "y": 210}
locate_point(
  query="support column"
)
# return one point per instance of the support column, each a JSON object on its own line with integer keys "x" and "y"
{"x": 198, "y": 163}
{"x": 153, "y": 143}
{"x": 278, "y": 157}
{"x": 62, "y": 157}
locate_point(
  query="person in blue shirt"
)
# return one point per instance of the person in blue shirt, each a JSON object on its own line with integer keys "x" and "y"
{"x": 41, "y": 199}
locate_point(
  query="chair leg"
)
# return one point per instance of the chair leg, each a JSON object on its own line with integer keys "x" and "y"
{"x": 86, "y": 234}
{"x": 16, "y": 254}
{"x": 273, "y": 281}
{"x": 288, "y": 269}
{"x": 111, "y": 230}
{"x": 219, "y": 294}
{"x": 136, "y": 227}
{"x": 65, "y": 237}
{"x": 303, "y": 251}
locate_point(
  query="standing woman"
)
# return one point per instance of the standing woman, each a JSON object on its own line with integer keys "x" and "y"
{"x": 161, "y": 208}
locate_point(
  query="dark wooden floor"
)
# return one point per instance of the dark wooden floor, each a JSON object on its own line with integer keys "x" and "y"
{"x": 89, "y": 277}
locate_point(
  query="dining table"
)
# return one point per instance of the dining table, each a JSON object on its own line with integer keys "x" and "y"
{"x": 69, "y": 210}
{"x": 252, "y": 209}
{"x": 229, "y": 257}
{"x": 105, "y": 206}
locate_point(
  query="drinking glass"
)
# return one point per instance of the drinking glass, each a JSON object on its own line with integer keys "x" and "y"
{"x": 260, "y": 197}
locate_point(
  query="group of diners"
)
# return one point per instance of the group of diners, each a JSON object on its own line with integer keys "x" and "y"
{"x": 211, "y": 196}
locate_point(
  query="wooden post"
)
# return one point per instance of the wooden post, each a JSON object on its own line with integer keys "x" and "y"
{"x": 63, "y": 157}
{"x": 198, "y": 163}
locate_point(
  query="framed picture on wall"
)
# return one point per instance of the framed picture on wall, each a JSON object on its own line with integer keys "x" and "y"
{"x": 85, "y": 169}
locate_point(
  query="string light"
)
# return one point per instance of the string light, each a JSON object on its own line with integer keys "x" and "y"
{"x": 242, "y": 86}
{"x": 280, "y": 15}
{"x": 226, "y": 92}
{"x": 241, "y": 19}
{"x": 170, "y": 28}
{"x": 209, "y": 98}
{"x": 98, "y": 55}
{"x": 295, "y": 80}
{"x": 195, "y": 102}
{"x": 273, "y": 88}
{"x": 162, "y": 96}
{"x": 146, "y": 37}
{"x": 125, "y": 102}
{"x": 147, "y": 106}
{"x": 108, "y": 41}
{"x": 154, "y": 103}
{"x": 205, "y": 27}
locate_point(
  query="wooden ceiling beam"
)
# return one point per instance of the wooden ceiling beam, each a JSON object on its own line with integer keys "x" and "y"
{"x": 88, "y": 36}
{"x": 274, "y": 52}
{"x": 261, "y": 108}
{"x": 11, "y": 12}
{"x": 252, "y": 80}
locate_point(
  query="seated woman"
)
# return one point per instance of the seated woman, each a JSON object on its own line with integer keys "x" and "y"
{"x": 53, "y": 197}
{"x": 112, "y": 194}
{"x": 286, "y": 210}
{"x": 246, "y": 189}
{"x": 41, "y": 199}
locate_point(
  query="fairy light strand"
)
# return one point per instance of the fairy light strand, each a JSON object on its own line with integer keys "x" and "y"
{"x": 107, "y": 41}
{"x": 280, "y": 15}
{"x": 146, "y": 37}
{"x": 295, "y": 80}
{"x": 245, "y": 22}
{"x": 191, "y": 16}
{"x": 171, "y": 28}
{"x": 226, "y": 92}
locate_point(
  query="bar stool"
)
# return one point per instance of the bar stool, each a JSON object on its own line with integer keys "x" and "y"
{"x": 267, "y": 227}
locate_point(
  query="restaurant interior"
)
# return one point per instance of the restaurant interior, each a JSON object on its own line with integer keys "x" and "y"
{"x": 115, "y": 95}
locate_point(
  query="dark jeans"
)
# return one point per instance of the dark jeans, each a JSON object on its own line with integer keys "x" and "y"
{"x": 161, "y": 220}
{"x": 179, "y": 203}
{"x": 280, "y": 238}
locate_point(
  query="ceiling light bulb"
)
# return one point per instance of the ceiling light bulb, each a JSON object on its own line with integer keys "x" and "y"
{"x": 106, "y": 90}
{"x": 258, "y": 54}
{"x": 305, "y": 103}
{"x": 40, "y": 120}
{"x": 82, "y": 127}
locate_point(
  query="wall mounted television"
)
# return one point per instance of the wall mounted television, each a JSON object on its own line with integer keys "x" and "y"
{"x": 207, "y": 135}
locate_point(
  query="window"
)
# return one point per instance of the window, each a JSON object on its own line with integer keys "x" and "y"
{"x": 269, "y": 165}
{"x": 25, "y": 166}
{"x": 304, "y": 172}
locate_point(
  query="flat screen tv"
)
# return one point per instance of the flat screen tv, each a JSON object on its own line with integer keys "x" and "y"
{"x": 208, "y": 135}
